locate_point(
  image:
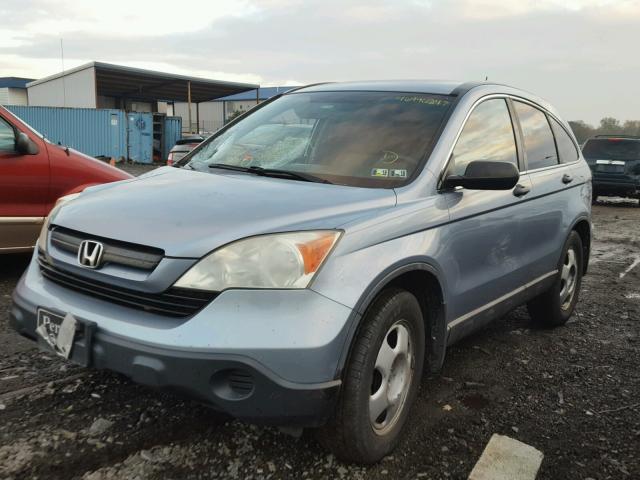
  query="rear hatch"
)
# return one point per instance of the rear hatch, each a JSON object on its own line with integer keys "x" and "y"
{"x": 183, "y": 147}
{"x": 179, "y": 152}
{"x": 613, "y": 159}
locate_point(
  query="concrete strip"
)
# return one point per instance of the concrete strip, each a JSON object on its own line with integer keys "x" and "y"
{"x": 507, "y": 459}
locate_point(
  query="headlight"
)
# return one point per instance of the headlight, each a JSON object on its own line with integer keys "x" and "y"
{"x": 282, "y": 260}
{"x": 42, "y": 239}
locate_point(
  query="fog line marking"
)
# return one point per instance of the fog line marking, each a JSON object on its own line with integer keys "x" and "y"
{"x": 635, "y": 263}
{"x": 505, "y": 458}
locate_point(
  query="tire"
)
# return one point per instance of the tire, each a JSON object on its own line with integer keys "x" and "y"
{"x": 594, "y": 199}
{"x": 554, "y": 307}
{"x": 351, "y": 434}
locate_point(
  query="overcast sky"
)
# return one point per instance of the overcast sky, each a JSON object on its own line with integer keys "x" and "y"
{"x": 583, "y": 56}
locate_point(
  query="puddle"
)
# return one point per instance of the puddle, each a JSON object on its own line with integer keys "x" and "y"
{"x": 608, "y": 252}
{"x": 475, "y": 401}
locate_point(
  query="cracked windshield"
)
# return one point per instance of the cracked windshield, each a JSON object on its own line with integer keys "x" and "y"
{"x": 366, "y": 139}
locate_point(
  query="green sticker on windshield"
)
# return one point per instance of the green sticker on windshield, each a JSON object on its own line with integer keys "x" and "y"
{"x": 380, "y": 172}
{"x": 439, "y": 102}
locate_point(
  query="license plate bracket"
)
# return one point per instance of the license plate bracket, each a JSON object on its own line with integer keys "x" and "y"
{"x": 65, "y": 335}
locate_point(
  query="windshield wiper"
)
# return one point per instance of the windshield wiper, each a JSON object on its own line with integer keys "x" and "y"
{"x": 225, "y": 166}
{"x": 271, "y": 172}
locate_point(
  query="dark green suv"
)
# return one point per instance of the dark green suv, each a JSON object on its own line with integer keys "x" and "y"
{"x": 615, "y": 163}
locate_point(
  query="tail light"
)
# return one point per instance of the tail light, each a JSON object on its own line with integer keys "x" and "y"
{"x": 170, "y": 160}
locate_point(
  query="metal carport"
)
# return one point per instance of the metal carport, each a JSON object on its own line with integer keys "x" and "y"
{"x": 145, "y": 85}
{"x": 87, "y": 85}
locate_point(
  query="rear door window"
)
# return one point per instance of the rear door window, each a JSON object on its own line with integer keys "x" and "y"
{"x": 566, "y": 148}
{"x": 487, "y": 135}
{"x": 7, "y": 137}
{"x": 539, "y": 146}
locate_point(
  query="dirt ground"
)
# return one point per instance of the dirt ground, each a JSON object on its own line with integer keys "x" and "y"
{"x": 572, "y": 392}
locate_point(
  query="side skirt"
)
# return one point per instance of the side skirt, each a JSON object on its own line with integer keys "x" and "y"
{"x": 481, "y": 316}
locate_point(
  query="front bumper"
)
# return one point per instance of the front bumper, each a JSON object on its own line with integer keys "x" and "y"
{"x": 264, "y": 356}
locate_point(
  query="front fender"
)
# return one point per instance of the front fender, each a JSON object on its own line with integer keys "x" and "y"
{"x": 437, "y": 341}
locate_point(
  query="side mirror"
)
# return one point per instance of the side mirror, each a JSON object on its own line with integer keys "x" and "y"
{"x": 485, "y": 175}
{"x": 25, "y": 145}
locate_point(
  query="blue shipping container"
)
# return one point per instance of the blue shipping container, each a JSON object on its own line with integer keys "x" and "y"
{"x": 99, "y": 133}
{"x": 140, "y": 137}
{"x": 172, "y": 133}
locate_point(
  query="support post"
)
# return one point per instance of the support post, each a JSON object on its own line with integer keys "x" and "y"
{"x": 190, "y": 130}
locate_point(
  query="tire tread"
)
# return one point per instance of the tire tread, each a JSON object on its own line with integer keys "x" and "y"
{"x": 545, "y": 309}
{"x": 340, "y": 435}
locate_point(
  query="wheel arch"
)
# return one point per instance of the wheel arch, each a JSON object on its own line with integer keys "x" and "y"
{"x": 424, "y": 281}
{"x": 583, "y": 227}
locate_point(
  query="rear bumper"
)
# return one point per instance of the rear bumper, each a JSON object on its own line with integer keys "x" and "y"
{"x": 611, "y": 187}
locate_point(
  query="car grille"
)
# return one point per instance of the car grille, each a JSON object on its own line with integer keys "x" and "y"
{"x": 115, "y": 252}
{"x": 174, "y": 302}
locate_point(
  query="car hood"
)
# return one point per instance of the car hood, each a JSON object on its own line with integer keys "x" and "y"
{"x": 189, "y": 213}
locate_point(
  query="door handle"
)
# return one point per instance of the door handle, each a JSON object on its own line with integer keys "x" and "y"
{"x": 521, "y": 190}
{"x": 566, "y": 178}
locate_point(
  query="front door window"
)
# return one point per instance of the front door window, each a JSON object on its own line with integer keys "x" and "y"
{"x": 7, "y": 137}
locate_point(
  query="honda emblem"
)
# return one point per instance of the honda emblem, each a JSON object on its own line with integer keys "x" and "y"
{"x": 90, "y": 254}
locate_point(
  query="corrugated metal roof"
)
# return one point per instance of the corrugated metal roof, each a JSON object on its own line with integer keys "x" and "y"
{"x": 14, "y": 82}
{"x": 265, "y": 93}
{"x": 137, "y": 83}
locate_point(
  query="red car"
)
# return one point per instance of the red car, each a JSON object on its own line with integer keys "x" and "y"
{"x": 36, "y": 174}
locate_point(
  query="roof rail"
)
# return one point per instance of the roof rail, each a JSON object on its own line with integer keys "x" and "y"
{"x": 306, "y": 86}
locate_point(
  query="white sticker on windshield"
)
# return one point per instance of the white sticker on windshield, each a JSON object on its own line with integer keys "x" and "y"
{"x": 398, "y": 173}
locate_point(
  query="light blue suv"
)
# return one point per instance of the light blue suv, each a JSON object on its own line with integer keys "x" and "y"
{"x": 306, "y": 264}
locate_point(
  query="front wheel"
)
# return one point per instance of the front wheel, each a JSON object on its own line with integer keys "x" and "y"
{"x": 555, "y": 306}
{"x": 381, "y": 380}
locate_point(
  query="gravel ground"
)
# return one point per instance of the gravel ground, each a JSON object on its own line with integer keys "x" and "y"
{"x": 572, "y": 392}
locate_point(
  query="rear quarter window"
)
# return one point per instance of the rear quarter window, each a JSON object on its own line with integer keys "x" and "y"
{"x": 567, "y": 150}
